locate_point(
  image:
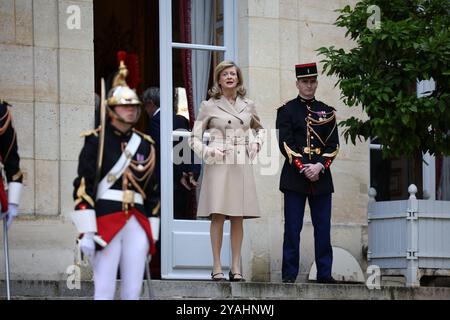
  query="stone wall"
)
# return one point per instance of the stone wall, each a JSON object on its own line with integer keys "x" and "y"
{"x": 47, "y": 75}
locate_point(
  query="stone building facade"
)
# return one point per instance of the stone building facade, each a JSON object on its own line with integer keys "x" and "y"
{"x": 47, "y": 65}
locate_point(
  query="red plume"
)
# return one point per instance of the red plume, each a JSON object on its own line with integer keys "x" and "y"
{"x": 132, "y": 63}
{"x": 121, "y": 56}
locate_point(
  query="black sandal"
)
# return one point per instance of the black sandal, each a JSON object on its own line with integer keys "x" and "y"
{"x": 214, "y": 278}
{"x": 233, "y": 277}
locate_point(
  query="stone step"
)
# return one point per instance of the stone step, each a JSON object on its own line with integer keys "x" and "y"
{"x": 176, "y": 289}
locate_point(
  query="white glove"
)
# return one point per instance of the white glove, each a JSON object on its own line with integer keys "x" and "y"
{"x": 11, "y": 214}
{"x": 154, "y": 225}
{"x": 87, "y": 246}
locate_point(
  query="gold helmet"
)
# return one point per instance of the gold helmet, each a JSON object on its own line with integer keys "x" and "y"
{"x": 121, "y": 94}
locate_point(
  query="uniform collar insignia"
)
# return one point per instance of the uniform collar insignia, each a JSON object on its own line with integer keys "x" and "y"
{"x": 306, "y": 100}
{"x": 119, "y": 133}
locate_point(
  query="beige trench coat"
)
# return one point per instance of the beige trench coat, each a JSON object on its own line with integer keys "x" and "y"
{"x": 228, "y": 184}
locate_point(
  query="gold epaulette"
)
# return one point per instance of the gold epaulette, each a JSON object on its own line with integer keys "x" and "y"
{"x": 332, "y": 108}
{"x": 5, "y": 103}
{"x": 145, "y": 136}
{"x": 285, "y": 103}
{"x": 90, "y": 132}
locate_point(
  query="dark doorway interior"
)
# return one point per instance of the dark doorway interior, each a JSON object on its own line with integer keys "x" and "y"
{"x": 391, "y": 177}
{"x": 131, "y": 26}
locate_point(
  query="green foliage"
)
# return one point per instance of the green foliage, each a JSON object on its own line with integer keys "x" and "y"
{"x": 380, "y": 74}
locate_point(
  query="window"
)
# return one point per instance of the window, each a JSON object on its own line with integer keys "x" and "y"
{"x": 391, "y": 177}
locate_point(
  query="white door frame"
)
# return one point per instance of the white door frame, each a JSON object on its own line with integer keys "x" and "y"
{"x": 166, "y": 47}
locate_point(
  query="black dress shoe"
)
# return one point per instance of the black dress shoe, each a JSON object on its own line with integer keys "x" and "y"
{"x": 327, "y": 280}
{"x": 288, "y": 280}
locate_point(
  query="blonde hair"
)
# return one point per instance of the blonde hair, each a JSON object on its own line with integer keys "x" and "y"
{"x": 216, "y": 90}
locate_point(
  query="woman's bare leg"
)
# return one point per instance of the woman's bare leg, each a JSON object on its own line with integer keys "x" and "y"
{"x": 237, "y": 235}
{"x": 216, "y": 233}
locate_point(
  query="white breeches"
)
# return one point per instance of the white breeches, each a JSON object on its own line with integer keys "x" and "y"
{"x": 129, "y": 248}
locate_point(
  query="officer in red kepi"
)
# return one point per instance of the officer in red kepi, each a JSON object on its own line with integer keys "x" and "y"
{"x": 114, "y": 194}
{"x": 308, "y": 139}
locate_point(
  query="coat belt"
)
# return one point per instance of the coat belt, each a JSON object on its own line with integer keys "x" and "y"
{"x": 236, "y": 140}
{"x": 127, "y": 196}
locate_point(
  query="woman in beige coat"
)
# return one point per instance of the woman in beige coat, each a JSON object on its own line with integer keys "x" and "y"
{"x": 228, "y": 187}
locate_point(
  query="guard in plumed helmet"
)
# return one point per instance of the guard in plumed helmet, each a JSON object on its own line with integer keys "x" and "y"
{"x": 10, "y": 174}
{"x": 308, "y": 138}
{"x": 114, "y": 194}
{"x": 10, "y": 180}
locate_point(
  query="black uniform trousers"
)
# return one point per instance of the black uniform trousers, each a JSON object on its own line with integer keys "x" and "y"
{"x": 294, "y": 209}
